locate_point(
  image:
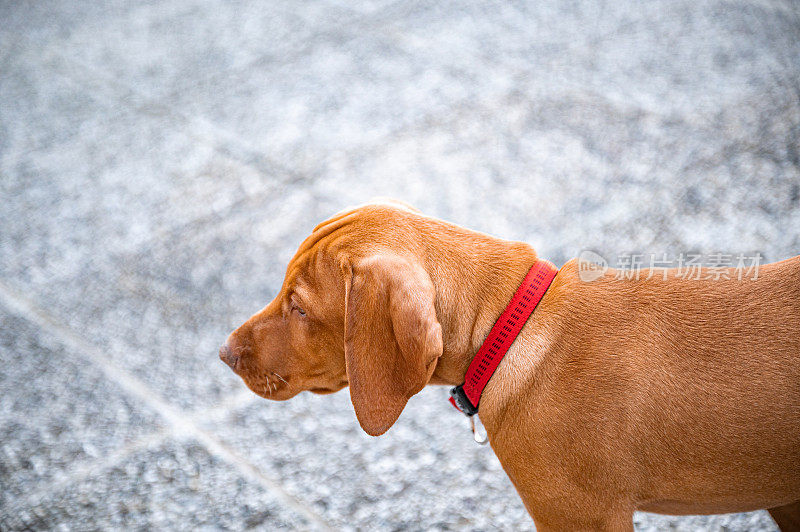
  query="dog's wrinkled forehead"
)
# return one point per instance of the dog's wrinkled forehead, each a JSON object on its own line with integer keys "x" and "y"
{"x": 364, "y": 217}
{"x": 321, "y": 248}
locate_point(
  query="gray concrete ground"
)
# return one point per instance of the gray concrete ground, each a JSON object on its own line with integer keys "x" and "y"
{"x": 160, "y": 161}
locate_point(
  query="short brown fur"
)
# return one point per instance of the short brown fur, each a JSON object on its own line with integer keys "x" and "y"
{"x": 663, "y": 394}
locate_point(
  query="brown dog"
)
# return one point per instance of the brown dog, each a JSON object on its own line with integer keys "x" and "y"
{"x": 660, "y": 394}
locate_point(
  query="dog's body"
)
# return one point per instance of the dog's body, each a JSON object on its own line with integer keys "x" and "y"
{"x": 660, "y": 394}
{"x": 690, "y": 391}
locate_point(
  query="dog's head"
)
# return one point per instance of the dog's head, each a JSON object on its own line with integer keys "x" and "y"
{"x": 356, "y": 307}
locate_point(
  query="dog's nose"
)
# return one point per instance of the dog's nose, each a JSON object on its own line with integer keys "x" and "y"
{"x": 227, "y": 356}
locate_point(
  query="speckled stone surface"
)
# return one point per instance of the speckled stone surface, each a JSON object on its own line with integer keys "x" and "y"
{"x": 55, "y": 412}
{"x": 177, "y": 485}
{"x": 161, "y": 161}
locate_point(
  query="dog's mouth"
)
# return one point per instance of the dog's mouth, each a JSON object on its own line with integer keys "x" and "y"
{"x": 322, "y": 391}
{"x": 325, "y": 390}
{"x": 270, "y": 385}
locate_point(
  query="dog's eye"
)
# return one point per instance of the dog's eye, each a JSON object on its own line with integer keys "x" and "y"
{"x": 296, "y": 307}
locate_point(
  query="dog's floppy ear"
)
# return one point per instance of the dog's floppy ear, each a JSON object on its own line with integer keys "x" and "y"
{"x": 392, "y": 339}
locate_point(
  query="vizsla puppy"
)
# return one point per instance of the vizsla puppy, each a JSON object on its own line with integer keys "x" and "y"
{"x": 663, "y": 394}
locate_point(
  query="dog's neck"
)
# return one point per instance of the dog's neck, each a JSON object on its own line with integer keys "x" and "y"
{"x": 489, "y": 271}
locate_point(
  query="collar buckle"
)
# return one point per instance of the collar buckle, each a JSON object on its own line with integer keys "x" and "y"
{"x": 459, "y": 399}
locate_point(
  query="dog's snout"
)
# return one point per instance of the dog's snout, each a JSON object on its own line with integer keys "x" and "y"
{"x": 227, "y": 355}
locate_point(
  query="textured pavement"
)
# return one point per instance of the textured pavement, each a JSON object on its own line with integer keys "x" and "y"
{"x": 160, "y": 162}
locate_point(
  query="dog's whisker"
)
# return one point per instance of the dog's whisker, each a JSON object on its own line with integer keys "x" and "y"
{"x": 281, "y": 378}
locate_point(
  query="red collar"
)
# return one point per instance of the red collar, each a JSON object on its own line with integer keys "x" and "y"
{"x": 467, "y": 396}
